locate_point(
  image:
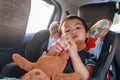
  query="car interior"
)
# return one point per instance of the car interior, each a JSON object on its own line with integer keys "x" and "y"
{"x": 15, "y": 15}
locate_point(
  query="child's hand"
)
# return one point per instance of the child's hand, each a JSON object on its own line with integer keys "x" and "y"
{"x": 65, "y": 43}
{"x": 60, "y": 45}
{"x": 72, "y": 49}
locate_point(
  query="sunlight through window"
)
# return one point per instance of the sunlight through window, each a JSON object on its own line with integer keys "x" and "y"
{"x": 116, "y": 24}
{"x": 40, "y": 15}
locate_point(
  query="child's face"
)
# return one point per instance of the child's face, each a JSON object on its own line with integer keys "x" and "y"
{"x": 74, "y": 29}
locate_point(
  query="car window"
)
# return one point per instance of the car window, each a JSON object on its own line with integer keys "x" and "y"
{"x": 116, "y": 24}
{"x": 40, "y": 15}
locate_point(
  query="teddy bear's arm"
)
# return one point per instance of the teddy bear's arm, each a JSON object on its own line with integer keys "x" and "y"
{"x": 67, "y": 76}
{"x": 22, "y": 62}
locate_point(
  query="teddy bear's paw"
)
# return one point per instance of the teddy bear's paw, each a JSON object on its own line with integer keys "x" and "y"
{"x": 35, "y": 74}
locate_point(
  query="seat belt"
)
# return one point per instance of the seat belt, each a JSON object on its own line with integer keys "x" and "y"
{"x": 110, "y": 57}
{"x": 106, "y": 58}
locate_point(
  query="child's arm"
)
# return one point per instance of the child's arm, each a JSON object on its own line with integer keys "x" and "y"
{"x": 76, "y": 61}
{"x": 80, "y": 67}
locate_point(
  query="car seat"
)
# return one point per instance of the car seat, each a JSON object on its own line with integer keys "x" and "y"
{"x": 35, "y": 47}
{"x": 14, "y": 15}
{"x": 91, "y": 13}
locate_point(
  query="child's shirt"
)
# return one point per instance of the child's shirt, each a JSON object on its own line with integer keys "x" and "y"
{"x": 87, "y": 59}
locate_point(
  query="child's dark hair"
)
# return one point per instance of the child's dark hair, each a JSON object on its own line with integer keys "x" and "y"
{"x": 73, "y": 17}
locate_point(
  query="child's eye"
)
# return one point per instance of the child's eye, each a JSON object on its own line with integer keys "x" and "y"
{"x": 77, "y": 27}
{"x": 67, "y": 30}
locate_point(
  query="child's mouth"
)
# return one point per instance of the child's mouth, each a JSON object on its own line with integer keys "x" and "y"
{"x": 74, "y": 36}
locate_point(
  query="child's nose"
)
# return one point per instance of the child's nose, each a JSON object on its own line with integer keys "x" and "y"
{"x": 73, "y": 31}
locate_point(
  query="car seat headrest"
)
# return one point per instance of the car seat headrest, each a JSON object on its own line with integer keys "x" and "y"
{"x": 94, "y": 12}
{"x": 13, "y": 22}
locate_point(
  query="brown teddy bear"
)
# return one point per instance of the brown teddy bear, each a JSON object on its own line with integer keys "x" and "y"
{"x": 49, "y": 66}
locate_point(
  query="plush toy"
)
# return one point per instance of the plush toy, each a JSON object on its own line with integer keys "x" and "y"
{"x": 97, "y": 34}
{"x": 49, "y": 66}
{"x": 54, "y": 33}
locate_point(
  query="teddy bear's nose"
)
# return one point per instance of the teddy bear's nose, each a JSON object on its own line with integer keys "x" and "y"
{"x": 37, "y": 73}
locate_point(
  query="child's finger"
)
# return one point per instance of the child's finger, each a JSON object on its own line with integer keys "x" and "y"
{"x": 62, "y": 41}
{"x": 67, "y": 46}
{"x": 59, "y": 48}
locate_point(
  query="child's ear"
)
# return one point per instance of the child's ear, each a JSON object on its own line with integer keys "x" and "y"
{"x": 88, "y": 34}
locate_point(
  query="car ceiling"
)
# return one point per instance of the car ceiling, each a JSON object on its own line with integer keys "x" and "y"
{"x": 79, "y": 3}
{"x": 72, "y": 6}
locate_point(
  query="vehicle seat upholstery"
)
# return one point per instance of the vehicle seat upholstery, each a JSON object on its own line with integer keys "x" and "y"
{"x": 34, "y": 49}
{"x": 14, "y": 16}
{"x": 37, "y": 45}
{"x": 91, "y": 13}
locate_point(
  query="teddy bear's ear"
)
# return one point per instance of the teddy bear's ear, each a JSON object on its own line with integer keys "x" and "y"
{"x": 80, "y": 45}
